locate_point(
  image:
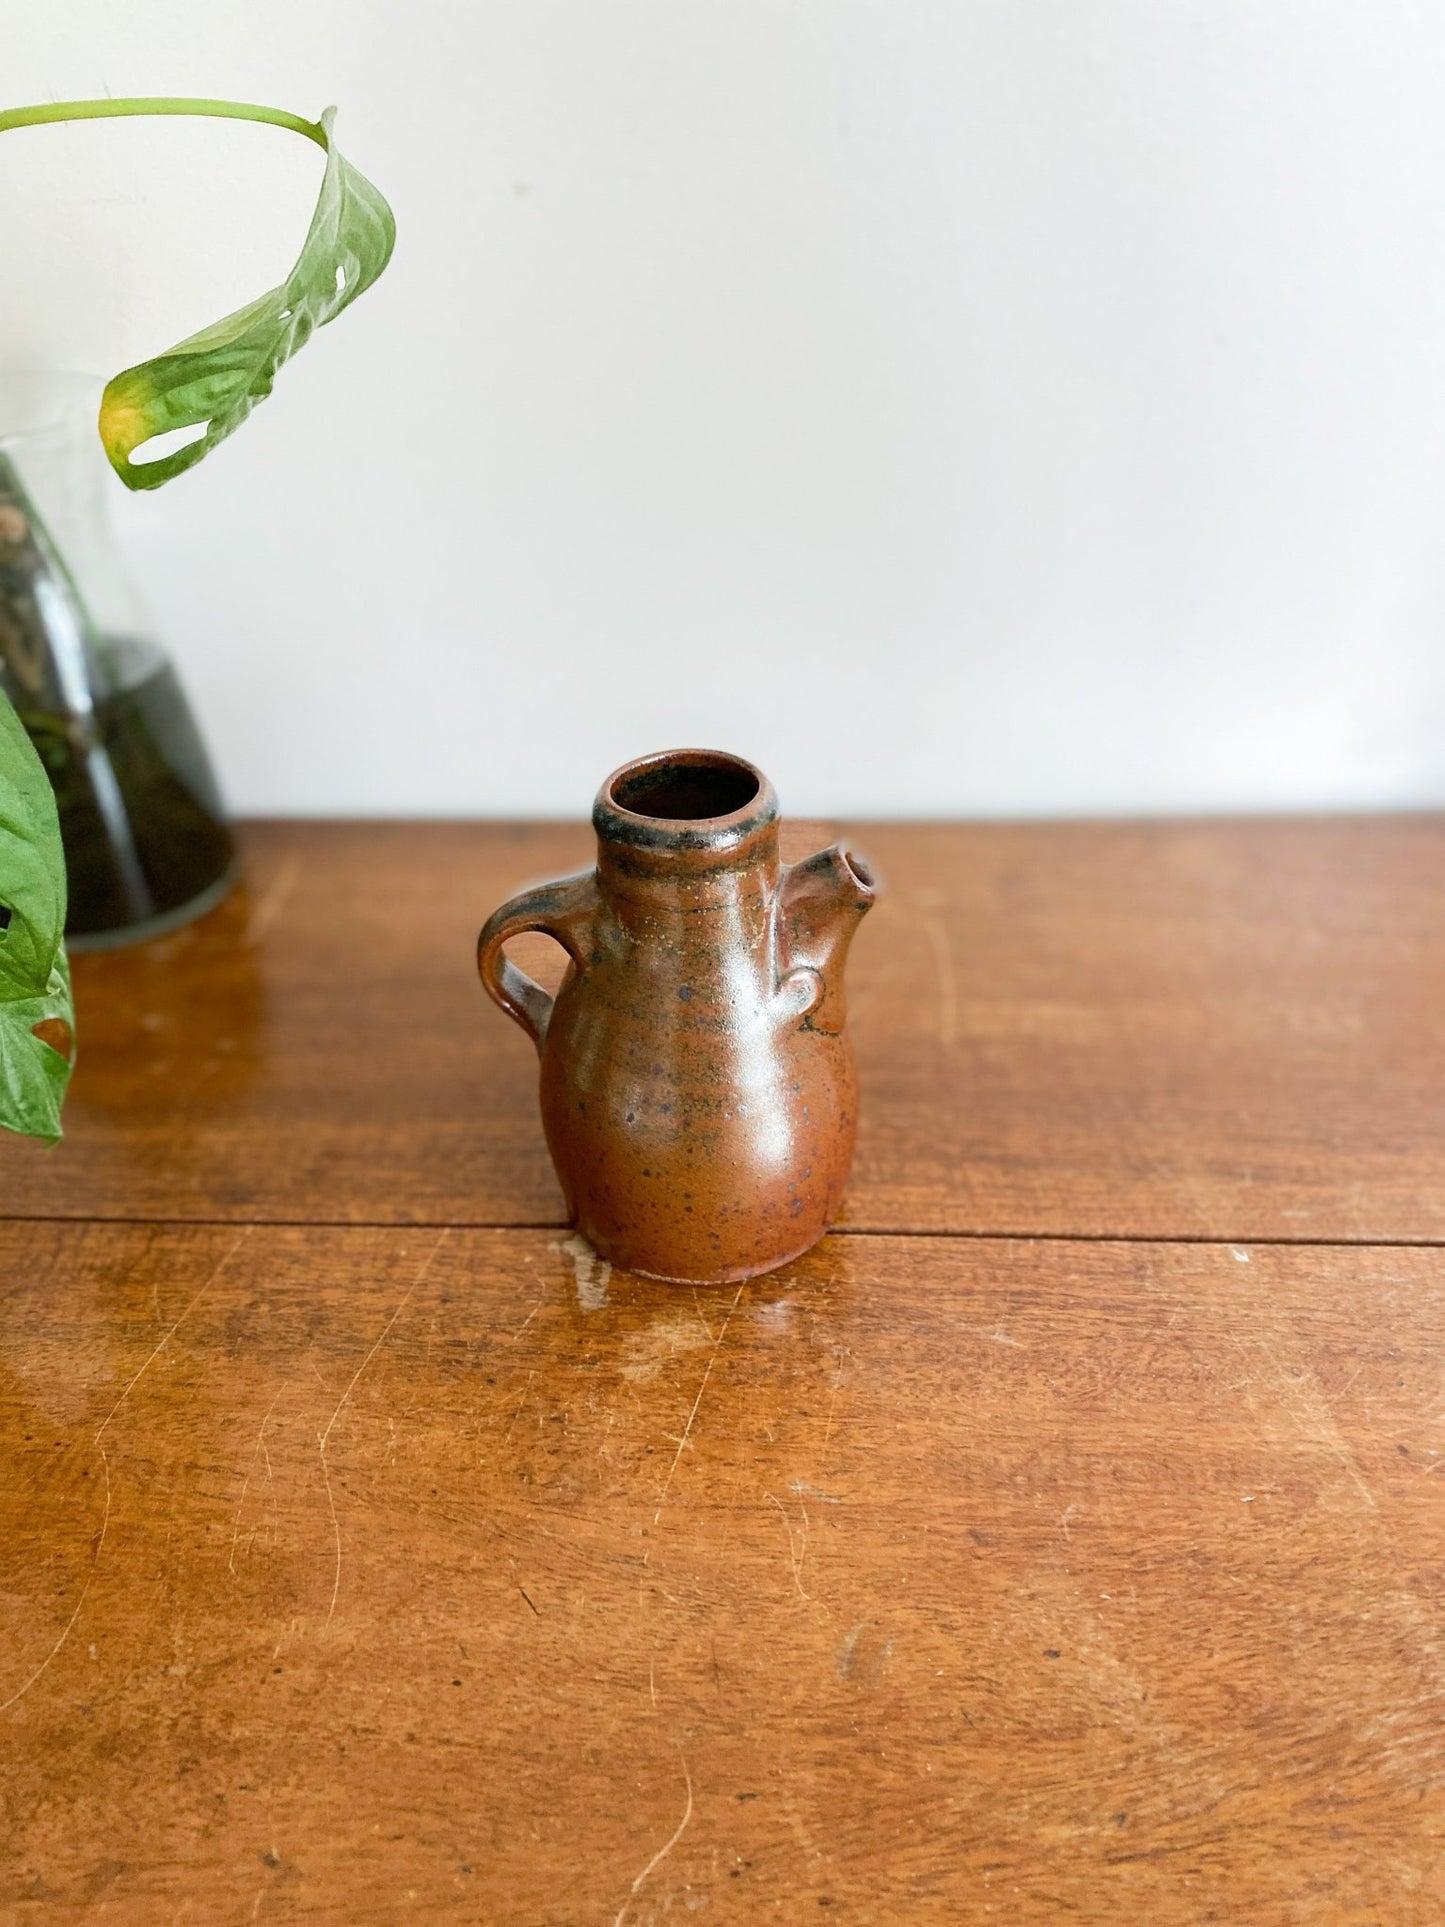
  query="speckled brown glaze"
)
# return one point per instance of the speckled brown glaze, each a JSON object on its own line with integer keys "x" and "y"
{"x": 698, "y": 1092}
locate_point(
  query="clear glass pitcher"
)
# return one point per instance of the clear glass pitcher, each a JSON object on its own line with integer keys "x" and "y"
{"x": 147, "y": 844}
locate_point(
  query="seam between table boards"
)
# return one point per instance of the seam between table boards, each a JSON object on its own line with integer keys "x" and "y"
{"x": 972, "y": 1235}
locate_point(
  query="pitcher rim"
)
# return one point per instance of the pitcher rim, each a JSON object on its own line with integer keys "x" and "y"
{"x": 617, "y": 822}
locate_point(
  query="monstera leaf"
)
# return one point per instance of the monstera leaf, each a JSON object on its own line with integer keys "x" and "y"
{"x": 210, "y": 384}
{"x": 36, "y": 1020}
{"x": 212, "y": 381}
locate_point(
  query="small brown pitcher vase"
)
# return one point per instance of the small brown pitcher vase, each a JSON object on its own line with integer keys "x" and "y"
{"x": 698, "y": 1092}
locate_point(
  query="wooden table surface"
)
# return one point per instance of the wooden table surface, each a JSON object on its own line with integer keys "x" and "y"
{"x": 1063, "y": 1539}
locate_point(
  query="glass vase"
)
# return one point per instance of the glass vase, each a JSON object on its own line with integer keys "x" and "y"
{"x": 147, "y": 843}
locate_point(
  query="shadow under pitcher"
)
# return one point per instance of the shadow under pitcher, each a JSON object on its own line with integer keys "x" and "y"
{"x": 698, "y": 1091}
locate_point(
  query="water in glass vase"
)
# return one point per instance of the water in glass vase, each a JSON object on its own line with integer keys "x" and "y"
{"x": 147, "y": 845}
{"x": 146, "y": 838}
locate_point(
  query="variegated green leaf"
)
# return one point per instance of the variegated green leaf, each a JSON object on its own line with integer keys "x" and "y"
{"x": 36, "y": 1053}
{"x": 214, "y": 379}
{"x": 36, "y": 1019}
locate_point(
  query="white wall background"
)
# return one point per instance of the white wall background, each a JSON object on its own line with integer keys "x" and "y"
{"x": 956, "y": 405}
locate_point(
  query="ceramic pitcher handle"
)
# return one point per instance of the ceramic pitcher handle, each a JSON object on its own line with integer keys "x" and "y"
{"x": 560, "y": 911}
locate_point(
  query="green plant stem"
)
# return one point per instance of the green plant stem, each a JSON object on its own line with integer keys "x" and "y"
{"x": 59, "y": 110}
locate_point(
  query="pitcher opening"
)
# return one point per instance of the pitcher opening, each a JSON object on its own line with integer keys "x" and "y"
{"x": 686, "y": 786}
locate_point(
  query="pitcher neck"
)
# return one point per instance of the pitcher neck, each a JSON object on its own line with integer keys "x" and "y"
{"x": 687, "y": 829}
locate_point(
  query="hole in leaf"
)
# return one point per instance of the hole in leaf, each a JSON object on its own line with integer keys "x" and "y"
{"x": 55, "y": 1032}
{"x": 158, "y": 447}
{"x": 5, "y": 915}
{"x": 340, "y": 279}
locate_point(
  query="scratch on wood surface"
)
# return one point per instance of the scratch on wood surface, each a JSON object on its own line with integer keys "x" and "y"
{"x": 165, "y": 1340}
{"x": 70, "y": 1623}
{"x": 528, "y": 1319}
{"x": 662, "y": 1852}
{"x": 1310, "y": 1412}
{"x": 335, "y": 1533}
{"x": 697, "y": 1307}
{"x": 322, "y": 1437}
{"x": 997, "y": 1335}
{"x": 270, "y": 906}
{"x": 947, "y": 987}
{"x": 1351, "y": 1379}
{"x": 686, "y": 1430}
{"x": 828, "y": 1428}
{"x": 652, "y": 1681}
{"x": 246, "y": 1483}
{"x": 520, "y": 1403}
{"x": 795, "y": 1558}
{"x": 169, "y": 1335}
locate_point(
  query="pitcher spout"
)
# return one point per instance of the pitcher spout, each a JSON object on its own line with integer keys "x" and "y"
{"x": 821, "y": 902}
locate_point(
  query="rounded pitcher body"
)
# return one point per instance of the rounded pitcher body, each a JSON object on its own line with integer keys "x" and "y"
{"x": 698, "y": 1092}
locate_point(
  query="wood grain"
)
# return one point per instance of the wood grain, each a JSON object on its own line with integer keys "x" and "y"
{"x": 356, "y": 1575}
{"x": 1207, "y": 1029}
